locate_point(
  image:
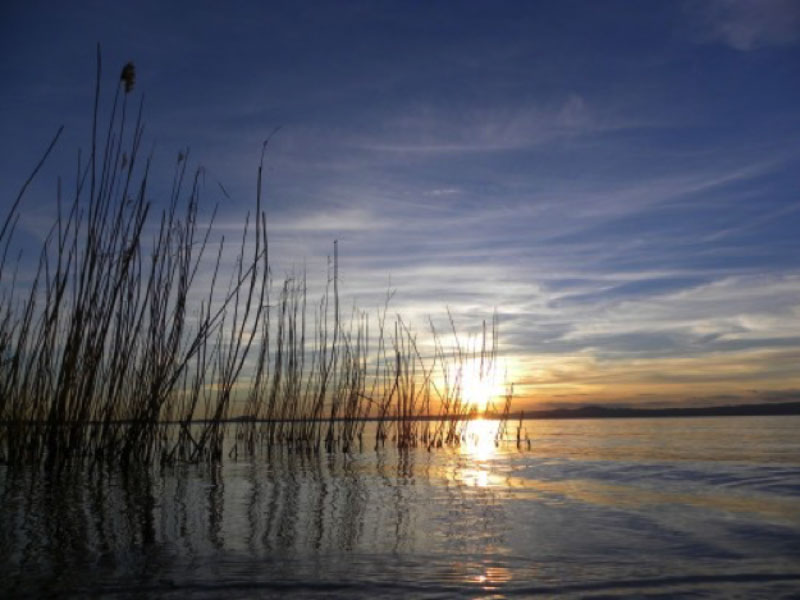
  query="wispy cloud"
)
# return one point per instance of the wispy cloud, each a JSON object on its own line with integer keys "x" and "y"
{"x": 747, "y": 24}
{"x": 431, "y": 129}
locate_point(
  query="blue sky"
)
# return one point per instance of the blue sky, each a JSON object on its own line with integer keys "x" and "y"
{"x": 619, "y": 179}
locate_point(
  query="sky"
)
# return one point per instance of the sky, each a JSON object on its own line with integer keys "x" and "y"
{"x": 618, "y": 180}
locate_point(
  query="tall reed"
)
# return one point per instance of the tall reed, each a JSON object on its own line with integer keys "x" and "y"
{"x": 112, "y": 352}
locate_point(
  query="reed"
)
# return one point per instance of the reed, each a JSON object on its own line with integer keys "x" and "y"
{"x": 112, "y": 353}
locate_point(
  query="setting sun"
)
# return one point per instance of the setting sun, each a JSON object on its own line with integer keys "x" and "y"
{"x": 479, "y": 383}
{"x": 476, "y": 387}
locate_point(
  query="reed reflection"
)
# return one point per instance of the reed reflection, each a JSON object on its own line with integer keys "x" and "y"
{"x": 149, "y": 523}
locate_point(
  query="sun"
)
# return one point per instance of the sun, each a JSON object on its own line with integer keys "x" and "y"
{"x": 476, "y": 389}
{"x": 478, "y": 383}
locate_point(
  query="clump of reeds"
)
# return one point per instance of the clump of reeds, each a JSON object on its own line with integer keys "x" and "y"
{"x": 112, "y": 353}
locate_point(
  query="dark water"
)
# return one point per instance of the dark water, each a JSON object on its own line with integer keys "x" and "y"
{"x": 597, "y": 508}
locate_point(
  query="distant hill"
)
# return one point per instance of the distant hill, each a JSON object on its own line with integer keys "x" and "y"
{"x": 603, "y": 412}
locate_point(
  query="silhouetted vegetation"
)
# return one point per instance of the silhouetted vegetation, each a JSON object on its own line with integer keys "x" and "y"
{"x": 128, "y": 347}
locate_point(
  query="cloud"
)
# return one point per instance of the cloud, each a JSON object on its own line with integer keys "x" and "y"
{"x": 433, "y": 129}
{"x": 748, "y": 24}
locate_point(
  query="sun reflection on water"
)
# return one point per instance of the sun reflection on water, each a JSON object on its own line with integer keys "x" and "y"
{"x": 478, "y": 445}
{"x": 479, "y": 439}
{"x": 492, "y": 578}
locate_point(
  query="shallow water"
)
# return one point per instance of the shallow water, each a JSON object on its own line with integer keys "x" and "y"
{"x": 706, "y": 507}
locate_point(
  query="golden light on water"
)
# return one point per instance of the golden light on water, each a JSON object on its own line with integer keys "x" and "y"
{"x": 478, "y": 450}
{"x": 492, "y": 577}
{"x": 480, "y": 436}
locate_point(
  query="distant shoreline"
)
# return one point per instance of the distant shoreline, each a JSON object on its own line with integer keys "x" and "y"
{"x": 604, "y": 412}
{"x": 583, "y": 412}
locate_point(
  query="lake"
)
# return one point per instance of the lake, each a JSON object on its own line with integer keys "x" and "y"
{"x": 700, "y": 507}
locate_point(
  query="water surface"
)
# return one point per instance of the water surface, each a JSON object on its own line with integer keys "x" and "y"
{"x": 707, "y": 507}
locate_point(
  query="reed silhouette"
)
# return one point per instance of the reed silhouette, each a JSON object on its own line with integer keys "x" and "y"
{"x": 114, "y": 353}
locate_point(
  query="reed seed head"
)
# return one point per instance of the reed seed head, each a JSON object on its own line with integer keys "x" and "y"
{"x": 128, "y": 76}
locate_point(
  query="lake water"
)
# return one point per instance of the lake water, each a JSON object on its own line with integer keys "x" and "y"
{"x": 705, "y": 507}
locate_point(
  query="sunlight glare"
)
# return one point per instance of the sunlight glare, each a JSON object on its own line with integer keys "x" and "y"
{"x": 480, "y": 383}
{"x": 479, "y": 438}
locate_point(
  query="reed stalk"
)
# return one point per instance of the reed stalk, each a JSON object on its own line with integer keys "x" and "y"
{"x": 111, "y": 352}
